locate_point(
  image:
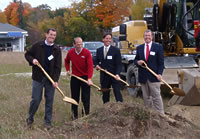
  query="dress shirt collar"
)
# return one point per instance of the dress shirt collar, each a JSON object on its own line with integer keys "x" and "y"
{"x": 48, "y": 44}
{"x": 78, "y": 52}
{"x": 106, "y": 47}
{"x": 149, "y": 45}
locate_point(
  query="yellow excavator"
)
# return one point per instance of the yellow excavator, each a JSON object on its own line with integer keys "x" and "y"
{"x": 176, "y": 25}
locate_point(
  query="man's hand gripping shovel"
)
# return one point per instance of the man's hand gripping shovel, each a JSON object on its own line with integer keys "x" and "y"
{"x": 66, "y": 99}
{"x": 174, "y": 91}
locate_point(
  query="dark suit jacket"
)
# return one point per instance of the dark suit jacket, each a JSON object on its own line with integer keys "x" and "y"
{"x": 155, "y": 62}
{"x": 112, "y": 63}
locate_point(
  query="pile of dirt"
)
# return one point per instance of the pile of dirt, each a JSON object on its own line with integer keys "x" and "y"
{"x": 127, "y": 120}
{"x": 191, "y": 113}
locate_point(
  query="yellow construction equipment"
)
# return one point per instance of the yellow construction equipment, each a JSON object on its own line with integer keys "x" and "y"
{"x": 176, "y": 25}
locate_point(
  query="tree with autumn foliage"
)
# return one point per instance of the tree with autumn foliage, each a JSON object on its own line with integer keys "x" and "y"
{"x": 38, "y": 14}
{"x": 111, "y": 13}
{"x": 3, "y": 18}
{"x": 57, "y": 23}
{"x": 16, "y": 11}
{"x": 82, "y": 13}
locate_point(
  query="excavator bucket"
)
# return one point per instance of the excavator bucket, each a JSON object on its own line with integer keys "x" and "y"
{"x": 174, "y": 64}
{"x": 189, "y": 82}
{"x": 179, "y": 62}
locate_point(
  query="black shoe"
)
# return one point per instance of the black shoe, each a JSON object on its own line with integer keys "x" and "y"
{"x": 47, "y": 126}
{"x": 29, "y": 123}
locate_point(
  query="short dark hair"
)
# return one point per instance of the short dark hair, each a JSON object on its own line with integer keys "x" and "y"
{"x": 51, "y": 29}
{"x": 107, "y": 33}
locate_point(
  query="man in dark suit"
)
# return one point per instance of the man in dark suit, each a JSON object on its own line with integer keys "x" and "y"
{"x": 152, "y": 54}
{"x": 109, "y": 58}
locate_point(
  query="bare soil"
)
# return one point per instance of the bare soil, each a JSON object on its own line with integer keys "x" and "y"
{"x": 128, "y": 120}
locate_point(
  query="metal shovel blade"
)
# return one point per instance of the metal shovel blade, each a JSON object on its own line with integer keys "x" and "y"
{"x": 133, "y": 86}
{"x": 70, "y": 100}
{"x": 178, "y": 91}
{"x": 174, "y": 91}
{"x": 67, "y": 99}
{"x": 105, "y": 89}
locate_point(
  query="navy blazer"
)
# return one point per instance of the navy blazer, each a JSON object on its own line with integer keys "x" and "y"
{"x": 112, "y": 63}
{"x": 155, "y": 62}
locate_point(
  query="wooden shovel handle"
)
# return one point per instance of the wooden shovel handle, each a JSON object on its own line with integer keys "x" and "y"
{"x": 51, "y": 80}
{"x": 157, "y": 75}
{"x": 70, "y": 100}
{"x": 85, "y": 81}
{"x": 112, "y": 75}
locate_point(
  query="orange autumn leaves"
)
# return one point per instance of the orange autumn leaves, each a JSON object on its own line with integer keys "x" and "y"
{"x": 12, "y": 12}
{"x": 112, "y": 12}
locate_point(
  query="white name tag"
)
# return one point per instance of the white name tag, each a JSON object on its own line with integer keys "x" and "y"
{"x": 152, "y": 53}
{"x": 50, "y": 57}
{"x": 109, "y": 57}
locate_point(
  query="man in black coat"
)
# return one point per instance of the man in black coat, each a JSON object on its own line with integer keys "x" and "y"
{"x": 109, "y": 58}
{"x": 48, "y": 54}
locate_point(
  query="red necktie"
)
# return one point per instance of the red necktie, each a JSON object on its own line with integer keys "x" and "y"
{"x": 147, "y": 52}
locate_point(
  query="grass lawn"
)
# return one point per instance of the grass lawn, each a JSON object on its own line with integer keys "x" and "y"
{"x": 15, "y": 96}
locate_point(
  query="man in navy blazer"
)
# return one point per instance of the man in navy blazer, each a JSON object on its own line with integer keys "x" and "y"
{"x": 108, "y": 57}
{"x": 152, "y": 54}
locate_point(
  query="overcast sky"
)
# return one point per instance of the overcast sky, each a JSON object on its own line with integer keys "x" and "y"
{"x": 34, "y": 3}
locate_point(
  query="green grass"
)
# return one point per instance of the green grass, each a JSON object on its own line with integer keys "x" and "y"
{"x": 15, "y": 96}
{"x": 14, "y": 68}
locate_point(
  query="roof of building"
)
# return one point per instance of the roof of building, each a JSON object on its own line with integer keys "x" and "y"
{"x": 10, "y": 28}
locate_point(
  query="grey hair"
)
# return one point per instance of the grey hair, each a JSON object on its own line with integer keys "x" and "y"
{"x": 147, "y": 31}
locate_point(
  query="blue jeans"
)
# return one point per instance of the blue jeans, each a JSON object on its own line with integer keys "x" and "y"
{"x": 37, "y": 91}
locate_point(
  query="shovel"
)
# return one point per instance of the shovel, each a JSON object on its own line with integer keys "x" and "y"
{"x": 127, "y": 85}
{"x": 174, "y": 91}
{"x": 85, "y": 81}
{"x": 67, "y": 99}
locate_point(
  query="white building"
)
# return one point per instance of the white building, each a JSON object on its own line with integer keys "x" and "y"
{"x": 12, "y": 38}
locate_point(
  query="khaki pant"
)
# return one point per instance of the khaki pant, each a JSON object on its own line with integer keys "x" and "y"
{"x": 151, "y": 96}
